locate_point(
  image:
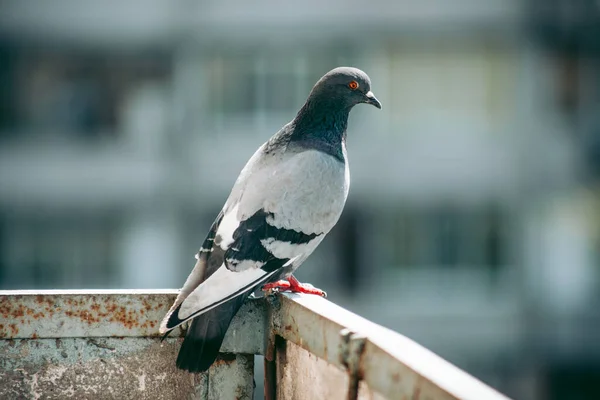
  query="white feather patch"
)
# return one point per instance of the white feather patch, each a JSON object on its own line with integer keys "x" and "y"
{"x": 227, "y": 227}
{"x": 286, "y": 249}
{"x": 346, "y": 172}
{"x": 220, "y": 285}
{"x": 244, "y": 264}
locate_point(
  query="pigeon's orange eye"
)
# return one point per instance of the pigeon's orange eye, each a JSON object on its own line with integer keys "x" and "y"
{"x": 353, "y": 85}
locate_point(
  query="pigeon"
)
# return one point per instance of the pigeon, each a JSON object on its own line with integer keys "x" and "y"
{"x": 287, "y": 198}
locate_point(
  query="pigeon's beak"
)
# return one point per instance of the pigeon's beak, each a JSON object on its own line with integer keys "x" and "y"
{"x": 371, "y": 99}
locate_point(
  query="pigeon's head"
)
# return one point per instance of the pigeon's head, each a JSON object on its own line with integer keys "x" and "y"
{"x": 344, "y": 87}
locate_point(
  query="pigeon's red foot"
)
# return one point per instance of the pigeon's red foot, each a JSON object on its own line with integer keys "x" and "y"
{"x": 294, "y": 286}
{"x": 277, "y": 285}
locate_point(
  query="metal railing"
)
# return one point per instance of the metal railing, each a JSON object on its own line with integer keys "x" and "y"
{"x": 105, "y": 344}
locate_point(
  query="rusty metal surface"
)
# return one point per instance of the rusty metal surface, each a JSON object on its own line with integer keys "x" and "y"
{"x": 248, "y": 329}
{"x": 365, "y": 393}
{"x": 303, "y": 376}
{"x": 114, "y": 368}
{"x": 270, "y": 343}
{"x": 95, "y": 368}
{"x": 231, "y": 377}
{"x": 55, "y": 314}
{"x": 385, "y": 362}
{"x": 105, "y": 345}
{"x": 270, "y": 379}
{"x": 113, "y": 313}
{"x": 352, "y": 351}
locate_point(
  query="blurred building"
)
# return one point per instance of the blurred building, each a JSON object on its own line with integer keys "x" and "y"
{"x": 473, "y": 224}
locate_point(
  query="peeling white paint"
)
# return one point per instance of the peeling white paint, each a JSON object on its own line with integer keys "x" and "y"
{"x": 89, "y": 388}
{"x": 142, "y": 382}
{"x": 55, "y": 372}
{"x": 70, "y": 391}
{"x": 34, "y": 387}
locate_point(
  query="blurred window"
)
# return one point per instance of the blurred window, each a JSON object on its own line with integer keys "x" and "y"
{"x": 448, "y": 236}
{"x": 232, "y": 86}
{"x": 453, "y": 78}
{"x": 71, "y": 92}
{"x": 58, "y": 251}
{"x": 268, "y": 81}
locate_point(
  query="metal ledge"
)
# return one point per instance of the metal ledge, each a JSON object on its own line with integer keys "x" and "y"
{"x": 60, "y": 344}
{"x": 113, "y": 313}
{"x": 105, "y": 344}
{"x": 388, "y": 363}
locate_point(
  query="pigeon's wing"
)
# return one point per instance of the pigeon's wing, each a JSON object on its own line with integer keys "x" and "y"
{"x": 210, "y": 257}
{"x": 257, "y": 243}
{"x": 211, "y": 283}
{"x": 272, "y": 219}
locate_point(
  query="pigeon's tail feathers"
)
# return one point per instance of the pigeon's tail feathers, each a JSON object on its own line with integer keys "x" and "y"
{"x": 205, "y": 336}
{"x": 195, "y": 278}
{"x": 198, "y": 275}
{"x": 171, "y": 320}
{"x": 218, "y": 289}
{"x": 164, "y": 335}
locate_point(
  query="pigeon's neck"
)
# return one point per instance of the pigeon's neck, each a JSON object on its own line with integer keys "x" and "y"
{"x": 322, "y": 127}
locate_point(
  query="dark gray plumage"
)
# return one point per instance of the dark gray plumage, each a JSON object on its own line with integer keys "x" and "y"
{"x": 286, "y": 199}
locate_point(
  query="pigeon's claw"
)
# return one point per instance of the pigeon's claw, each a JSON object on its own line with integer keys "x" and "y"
{"x": 277, "y": 286}
{"x": 294, "y": 286}
{"x": 308, "y": 289}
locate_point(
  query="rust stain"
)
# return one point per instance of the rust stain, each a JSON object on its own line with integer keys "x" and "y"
{"x": 417, "y": 392}
{"x": 34, "y": 336}
{"x": 224, "y": 359}
{"x": 324, "y": 338}
{"x": 240, "y": 393}
{"x": 40, "y": 299}
{"x": 147, "y": 305}
{"x": 18, "y": 312}
{"x": 396, "y": 377}
{"x": 4, "y": 310}
{"x": 125, "y": 317}
{"x": 12, "y": 310}
{"x": 112, "y": 313}
{"x": 24, "y": 310}
{"x": 148, "y": 324}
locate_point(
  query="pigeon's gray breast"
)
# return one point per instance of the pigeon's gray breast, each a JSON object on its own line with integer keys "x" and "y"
{"x": 315, "y": 186}
{"x": 304, "y": 190}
